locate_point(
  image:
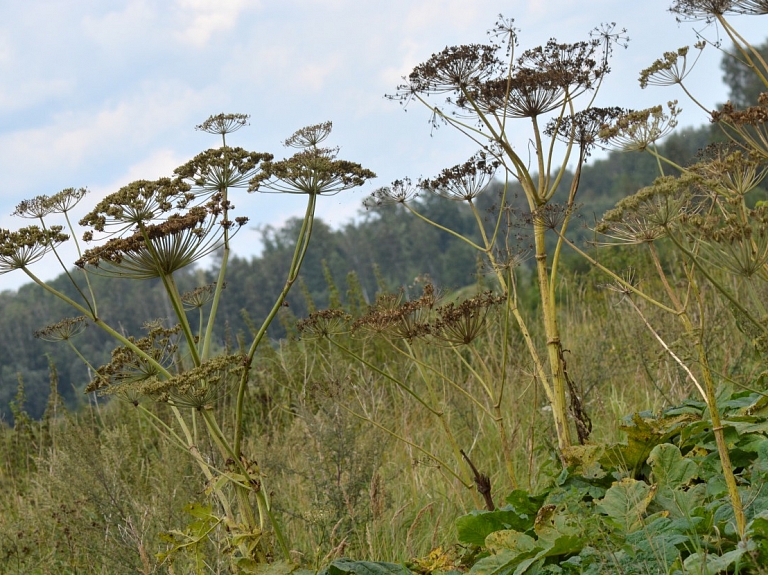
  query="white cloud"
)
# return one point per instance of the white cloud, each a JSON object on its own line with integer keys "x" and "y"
{"x": 121, "y": 28}
{"x": 203, "y": 18}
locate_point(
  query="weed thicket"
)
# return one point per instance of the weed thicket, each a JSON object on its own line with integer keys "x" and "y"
{"x": 377, "y": 424}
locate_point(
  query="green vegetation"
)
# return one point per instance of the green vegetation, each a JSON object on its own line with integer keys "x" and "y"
{"x": 425, "y": 430}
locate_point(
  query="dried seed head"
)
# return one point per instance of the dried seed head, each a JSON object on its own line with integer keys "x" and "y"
{"x": 583, "y": 128}
{"x": 635, "y": 131}
{"x": 199, "y": 296}
{"x": 310, "y": 136}
{"x": 465, "y": 181}
{"x": 217, "y": 170}
{"x": 63, "y": 330}
{"x": 200, "y": 387}
{"x": 324, "y": 324}
{"x": 314, "y": 171}
{"x": 223, "y": 124}
{"x": 127, "y": 368}
{"x": 139, "y": 203}
{"x": 400, "y": 192}
{"x": 461, "y": 324}
{"x": 671, "y": 69}
{"x": 27, "y": 245}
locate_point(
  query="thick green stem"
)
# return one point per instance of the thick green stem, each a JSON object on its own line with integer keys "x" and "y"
{"x": 302, "y": 244}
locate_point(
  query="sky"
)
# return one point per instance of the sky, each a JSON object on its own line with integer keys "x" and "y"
{"x": 98, "y": 93}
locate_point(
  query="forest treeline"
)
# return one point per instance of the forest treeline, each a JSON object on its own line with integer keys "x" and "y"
{"x": 382, "y": 246}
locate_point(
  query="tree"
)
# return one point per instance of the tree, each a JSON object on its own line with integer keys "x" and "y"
{"x": 744, "y": 85}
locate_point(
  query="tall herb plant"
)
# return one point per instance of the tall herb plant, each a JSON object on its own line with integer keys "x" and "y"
{"x": 489, "y": 92}
{"x": 151, "y": 230}
{"x": 707, "y": 216}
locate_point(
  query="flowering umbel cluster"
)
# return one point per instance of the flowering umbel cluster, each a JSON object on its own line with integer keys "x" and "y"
{"x": 312, "y": 170}
{"x": 21, "y": 248}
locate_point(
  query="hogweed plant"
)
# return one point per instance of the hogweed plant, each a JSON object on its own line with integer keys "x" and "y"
{"x": 151, "y": 230}
{"x": 489, "y": 93}
{"x": 709, "y": 214}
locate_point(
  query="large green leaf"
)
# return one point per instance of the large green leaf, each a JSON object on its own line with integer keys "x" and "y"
{"x": 511, "y": 540}
{"x": 643, "y": 434}
{"x": 669, "y": 468}
{"x": 504, "y": 563}
{"x": 626, "y": 503}
{"x": 346, "y": 566}
{"x": 476, "y": 526}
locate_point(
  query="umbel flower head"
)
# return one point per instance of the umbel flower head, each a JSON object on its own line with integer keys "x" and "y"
{"x": 671, "y": 69}
{"x": 400, "y": 192}
{"x": 648, "y": 215}
{"x": 460, "y": 324}
{"x": 709, "y": 10}
{"x": 450, "y": 71}
{"x": 219, "y": 169}
{"x": 731, "y": 173}
{"x": 729, "y": 244}
{"x": 223, "y": 124}
{"x": 584, "y": 127}
{"x": 127, "y": 367}
{"x": 324, "y": 323}
{"x": 748, "y": 127}
{"x": 60, "y": 203}
{"x": 310, "y": 136}
{"x": 636, "y": 130}
{"x": 465, "y": 181}
{"x": 200, "y": 387}
{"x": 26, "y": 246}
{"x": 199, "y": 296}
{"x": 139, "y": 203}
{"x": 312, "y": 170}
{"x": 161, "y": 249}
{"x": 406, "y": 320}
{"x": 63, "y": 330}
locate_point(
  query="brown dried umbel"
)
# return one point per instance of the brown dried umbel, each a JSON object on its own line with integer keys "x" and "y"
{"x": 400, "y": 192}
{"x": 450, "y": 71}
{"x": 161, "y": 249}
{"x": 465, "y": 181}
{"x": 711, "y": 9}
{"x": 127, "y": 367}
{"x": 542, "y": 80}
{"x": 731, "y": 174}
{"x": 748, "y": 127}
{"x": 62, "y": 330}
{"x": 407, "y": 320}
{"x": 636, "y": 130}
{"x": 223, "y": 123}
{"x": 460, "y": 324}
{"x": 324, "y": 323}
{"x": 583, "y": 128}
